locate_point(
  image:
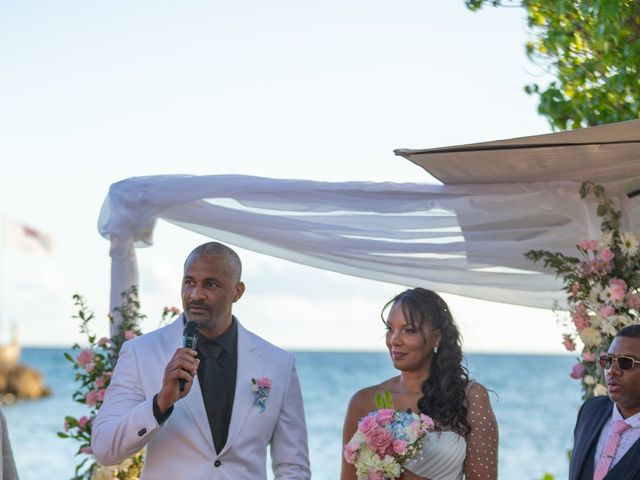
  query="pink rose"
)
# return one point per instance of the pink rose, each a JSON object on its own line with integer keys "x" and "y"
{"x": 66, "y": 426}
{"x": 568, "y": 343}
{"x": 399, "y": 447}
{"x": 607, "y": 311}
{"x": 427, "y": 421}
{"x": 89, "y": 367}
{"x": 385, "y": 416}
{"x": 82, "y": 421}
{"x": 376, "y": 476}
{"x": 367, "y": 424}
{"x": 100, "y": 382}
{"x": 583, "y": 245}
{"x": 100, "y": 394}
{"x": 263, "y": 382}
{"x": 380, "y": 441}
{"x": 633, "y": 301}
{"x": 588, "y": 356}
{"x": 578, "y": 371}
{"x": 619, "y": 282}
{"x": 617, "y": 293}
{"x": 84, "y": 357}
{"x": 92, "y": 398}
{"x": 86, "y": 450}
{"x": 592, "y": 245}
{"x": 129, "y": 335}
{"x": 580, "y": 317}
{"x": 350, "y": 453}
{"x": 606, "y": 255}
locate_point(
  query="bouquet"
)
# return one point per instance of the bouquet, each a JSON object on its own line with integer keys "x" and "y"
{"x": 603, "y": 289}
{"x": 385, "y": 440}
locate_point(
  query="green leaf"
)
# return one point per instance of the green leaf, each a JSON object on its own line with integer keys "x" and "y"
{"x": 384, "y": 400}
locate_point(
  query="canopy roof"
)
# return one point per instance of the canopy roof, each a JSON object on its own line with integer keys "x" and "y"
{"x": 467, "y": 237}
{"x": 608, "y": 154}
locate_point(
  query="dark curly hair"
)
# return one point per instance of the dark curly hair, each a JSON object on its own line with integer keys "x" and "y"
{"x": 444, "y": 397}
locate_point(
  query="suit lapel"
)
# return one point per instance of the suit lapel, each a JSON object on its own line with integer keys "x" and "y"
{"x": 193, "y": 403}
{"x": 628, "y": 466}
{"x": 589, "y": 438}
{"x": 250, "y": 366}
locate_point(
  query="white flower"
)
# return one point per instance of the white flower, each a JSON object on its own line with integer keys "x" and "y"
{"x": 594, "y": 295}
{"x": 102, "y": 472}
{"x": 622, "y": 320}
{"x": 589, "y": 380}
{"x": 125, "y": 464}
{"x": 597, "y": 320}
{"x": 629, "y": 244}
{"x": 605, "y": 239}
{"x": 606, "y": 295}
{"x": 608, "y": 329}
{"x": 591, "y": 337}
{"x": 599, "y": 390}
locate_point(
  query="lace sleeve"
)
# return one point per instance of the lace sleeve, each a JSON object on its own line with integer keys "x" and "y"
{"x": 482, "y": 441}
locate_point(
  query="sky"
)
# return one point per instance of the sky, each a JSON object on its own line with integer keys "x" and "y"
{"x": 95, "y": 92}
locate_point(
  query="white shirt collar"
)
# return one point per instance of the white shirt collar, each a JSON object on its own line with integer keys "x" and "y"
{"x": 633, "y": 420}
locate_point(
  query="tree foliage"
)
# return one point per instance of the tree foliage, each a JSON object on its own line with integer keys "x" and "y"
{"x": 592, "y": 48}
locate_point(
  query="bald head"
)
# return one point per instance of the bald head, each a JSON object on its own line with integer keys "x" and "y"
{"x": 232, "y": 260}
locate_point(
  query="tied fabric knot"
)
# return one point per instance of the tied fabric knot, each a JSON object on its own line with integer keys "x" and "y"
{"x": 609, "y": 452}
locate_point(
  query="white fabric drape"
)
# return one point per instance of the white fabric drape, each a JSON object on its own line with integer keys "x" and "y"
{"x": 462, "y": 239}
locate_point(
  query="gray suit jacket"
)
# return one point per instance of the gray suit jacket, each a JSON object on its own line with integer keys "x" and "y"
{"x": 183, "y": 446}
{"x": 592, "y": 417}
{"x": 7, "y": 464}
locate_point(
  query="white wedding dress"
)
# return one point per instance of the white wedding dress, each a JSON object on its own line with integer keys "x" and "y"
{"x": 443, "y": 455}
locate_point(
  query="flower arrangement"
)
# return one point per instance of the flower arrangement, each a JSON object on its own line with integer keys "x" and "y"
{"x": 94, "y": 366}
{"x": 262, "y": 389}
{"x": 385, "y": 440}
{"x": 603, "y": 289}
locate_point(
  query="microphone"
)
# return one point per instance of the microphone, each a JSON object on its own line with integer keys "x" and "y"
{"x": 189, "y": 340}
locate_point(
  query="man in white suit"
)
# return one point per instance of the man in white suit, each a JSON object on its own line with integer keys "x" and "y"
{"x": 217, "y": 427}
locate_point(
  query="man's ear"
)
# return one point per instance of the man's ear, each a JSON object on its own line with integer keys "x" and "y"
{"x": 239, "y": 291}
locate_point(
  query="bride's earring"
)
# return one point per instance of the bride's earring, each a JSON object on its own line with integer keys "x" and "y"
{"x": 435, "y": 349}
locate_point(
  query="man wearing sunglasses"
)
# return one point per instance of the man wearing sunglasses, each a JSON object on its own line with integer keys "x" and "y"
{"x": 607, "y": 433}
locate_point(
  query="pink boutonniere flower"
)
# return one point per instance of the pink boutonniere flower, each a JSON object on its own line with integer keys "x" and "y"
{"x": 261, "y": 388}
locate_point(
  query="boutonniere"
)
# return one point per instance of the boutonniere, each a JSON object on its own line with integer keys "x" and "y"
{"x": 261, "y": 388}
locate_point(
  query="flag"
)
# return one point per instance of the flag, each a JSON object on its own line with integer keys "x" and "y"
{"x": 25, "y": 238}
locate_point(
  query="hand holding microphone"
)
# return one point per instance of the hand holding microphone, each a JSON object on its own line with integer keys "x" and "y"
{"x": 189, "y": 340}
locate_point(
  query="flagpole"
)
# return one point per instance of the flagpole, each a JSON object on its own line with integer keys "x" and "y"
{"x": 3, "y": 257}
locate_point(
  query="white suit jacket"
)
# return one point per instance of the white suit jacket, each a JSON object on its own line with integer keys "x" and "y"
{"x": 183, "y": 446}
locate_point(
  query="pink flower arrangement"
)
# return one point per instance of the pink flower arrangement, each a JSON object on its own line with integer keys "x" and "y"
{"x": 603, "y": 290}
{"x": 384, "y": 440}
{"x": 94, "y": 365}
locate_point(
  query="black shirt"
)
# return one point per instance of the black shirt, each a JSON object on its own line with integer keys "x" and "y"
{"x": 217, "y": 377}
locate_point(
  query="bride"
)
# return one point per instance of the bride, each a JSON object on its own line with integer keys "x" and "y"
{"x": 424, "y": 345}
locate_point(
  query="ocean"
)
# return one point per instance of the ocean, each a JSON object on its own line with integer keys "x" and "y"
{"x": 534, "y": 399}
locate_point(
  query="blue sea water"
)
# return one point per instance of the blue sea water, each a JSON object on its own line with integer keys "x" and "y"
{"x": 535, "y": 403}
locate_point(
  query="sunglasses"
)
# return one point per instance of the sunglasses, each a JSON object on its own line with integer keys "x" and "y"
{"x": 624, "y": 362}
